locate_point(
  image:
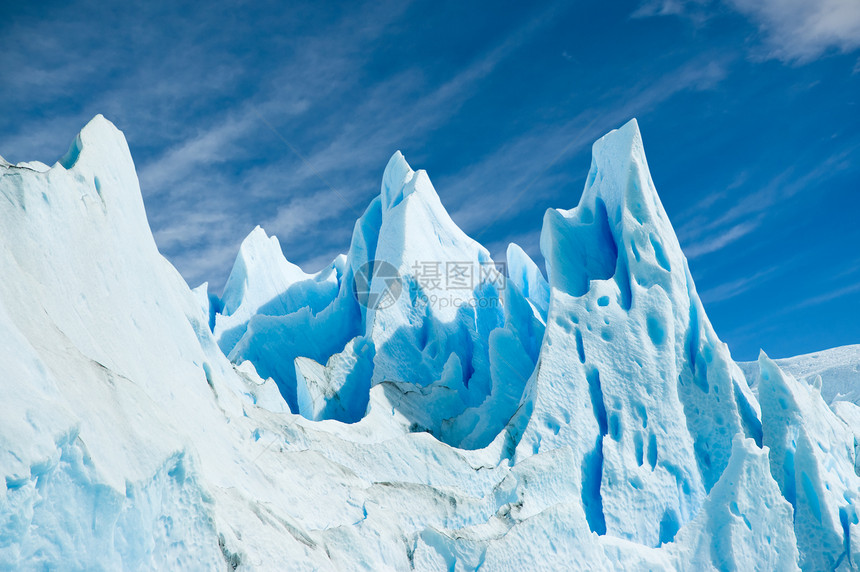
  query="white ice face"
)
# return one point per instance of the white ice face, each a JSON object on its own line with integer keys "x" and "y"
{"x": 412, "y": 405}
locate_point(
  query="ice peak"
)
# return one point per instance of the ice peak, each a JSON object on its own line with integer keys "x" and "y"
{"x": 620, "y": 183}
{"x": 619, "y": 173}
{"x": 619, "y": 145}
{"x": 260, "y": 267}
{"x": 256, "y": 240}
{"x": 623, "y": 138}
{"x": 395, "y": 181}
{"x": 99, "y": 124}
{"x": 99, "y": 137}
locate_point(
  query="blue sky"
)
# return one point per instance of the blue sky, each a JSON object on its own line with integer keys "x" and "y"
{"x": 285, "y": 114}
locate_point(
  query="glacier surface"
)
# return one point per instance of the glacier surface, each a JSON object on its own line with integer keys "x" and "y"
{"x": 413, "y": 405}
{"x": 838, "y": 368}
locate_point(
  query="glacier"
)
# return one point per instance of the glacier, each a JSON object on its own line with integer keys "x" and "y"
{"x": 373, "y": 415}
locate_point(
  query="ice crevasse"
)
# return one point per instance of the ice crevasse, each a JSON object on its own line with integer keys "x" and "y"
{"x": 588, "y": 418}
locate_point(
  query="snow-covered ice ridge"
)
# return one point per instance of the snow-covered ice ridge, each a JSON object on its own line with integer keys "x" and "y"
{"x": 836, "y": 371}
{"x": 588, "y": 420}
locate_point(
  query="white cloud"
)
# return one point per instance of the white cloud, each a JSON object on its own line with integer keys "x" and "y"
{"x": 792, "y": 30}
{"x": 716, "y": 242}
{"x": 802, "y": 30}
{"x": 694, "y": 9}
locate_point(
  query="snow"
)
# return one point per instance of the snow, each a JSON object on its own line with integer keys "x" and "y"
{"x": 839, "y": 369}
{"x": 812, "y": 458}
{"x": 586, "y": 419}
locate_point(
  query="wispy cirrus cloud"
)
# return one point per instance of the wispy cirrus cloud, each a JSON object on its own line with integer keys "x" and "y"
{"x": 843, "y": 283}
{"x": 324, "y": 173}
{"x": 702, "y": 232}
{"x": 696, "y": 10}
{"x": 717, "y": 241}
{"x": 802, "y": 30}
{"x": 523, "y": 172}
{"x": 828, "y": 296}
{"x": 736, "y": 287}
{"x": 791, "y": 30}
